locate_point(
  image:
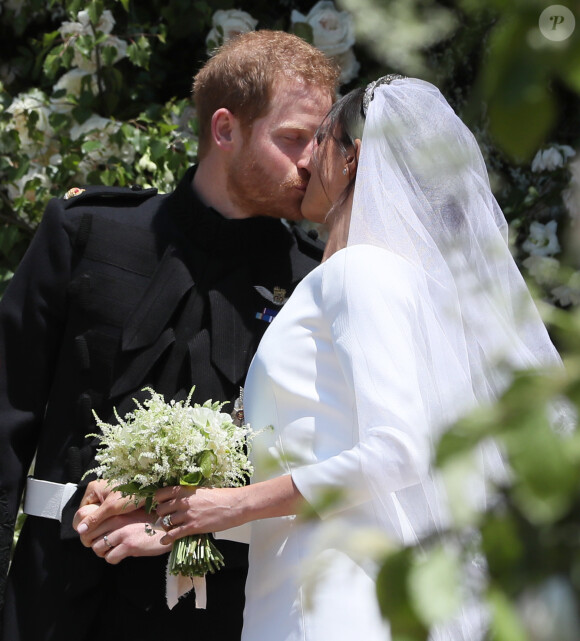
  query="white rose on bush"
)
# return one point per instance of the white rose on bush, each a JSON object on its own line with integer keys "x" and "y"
{"x": 70, "y": 31}
{"x": 568, "y": 294}
{"x": 99, "y": 130}
{"x": 544, "y": 269}
{"x": 552, "y": 158}
{"x": 28, "y": 184}
{"x": 72, "y": 82}
{"x": 542, "y": 240}
{"x": 332, "y": 30}
{"x": 349, "y": 66}
{"x": 22, "y": 108}
{"x": 82, "y": 27}
{"x": 228, "y": 23}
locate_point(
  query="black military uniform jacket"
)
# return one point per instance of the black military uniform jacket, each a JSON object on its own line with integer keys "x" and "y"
{"x": 119, "y": 290}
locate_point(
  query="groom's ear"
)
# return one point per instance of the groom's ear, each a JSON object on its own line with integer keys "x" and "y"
{"x": 225, "y": 129}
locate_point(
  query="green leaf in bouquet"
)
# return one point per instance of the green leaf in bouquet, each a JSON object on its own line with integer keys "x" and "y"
{"x": 207, "y": 463}
{"x": 128, "y": 488}
{"x": 193, "y": 479}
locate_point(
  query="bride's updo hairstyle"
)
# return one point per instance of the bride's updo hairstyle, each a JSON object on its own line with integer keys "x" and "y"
{"x": 342, "y": 126}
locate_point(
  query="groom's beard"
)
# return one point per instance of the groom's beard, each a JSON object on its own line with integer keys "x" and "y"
{"x": 253, "y": 189}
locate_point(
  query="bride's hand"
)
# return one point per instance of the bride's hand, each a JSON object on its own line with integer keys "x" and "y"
{"x": 203, "y": 509}
{"x": 199, "y": 510}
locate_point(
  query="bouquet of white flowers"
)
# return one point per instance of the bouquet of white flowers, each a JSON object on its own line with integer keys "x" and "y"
{"x": 175, "y": 443}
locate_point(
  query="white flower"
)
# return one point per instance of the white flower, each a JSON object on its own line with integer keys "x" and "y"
{"x": 544, "y": 269}
{"x": 22, "y": 187}
{"x": 349, "y": 66}
{"x": 119, "y": 45}
{"x": 89, "y": 64}
{"x": 21, "y": 108}
{"x": 233, "y": 23}
{"x": 542, "y": 240}
{"x": 72, "y": 30}
{"x": 332, "y": 30}
{"x": 71, "y": 82}
{"x": 83, "y": 25}
{"x": 552, "y": 158}
{"x": 568, "y": 294}
{"x": 160, "y": 443}
{"x": 99, "y": 129}
{"x": 26, "y": 103}
{"x": 94, "y": 124}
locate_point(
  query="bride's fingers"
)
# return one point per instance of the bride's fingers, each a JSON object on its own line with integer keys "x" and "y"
{"x": 170, "y": 520}
{"x": 174, "y": 534}
{"x": 173, "y": 492}
{"x": 173, "y": 505}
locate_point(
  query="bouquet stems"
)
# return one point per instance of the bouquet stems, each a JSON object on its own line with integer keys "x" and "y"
{"x": 195, "y": 555}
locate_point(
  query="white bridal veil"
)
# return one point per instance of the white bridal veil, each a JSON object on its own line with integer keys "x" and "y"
{"x": 422, "y": 192}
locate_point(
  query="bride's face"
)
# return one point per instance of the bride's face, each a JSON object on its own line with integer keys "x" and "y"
{"x": 328, "y": 180}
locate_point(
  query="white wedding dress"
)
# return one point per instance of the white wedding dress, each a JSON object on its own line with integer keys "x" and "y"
{"x": 300, "y": 382}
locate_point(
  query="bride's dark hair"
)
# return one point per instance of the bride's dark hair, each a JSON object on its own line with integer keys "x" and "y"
{"x": 341, "y": 126}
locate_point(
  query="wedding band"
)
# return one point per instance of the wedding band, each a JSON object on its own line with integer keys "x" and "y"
{"x": 166, "y": 520}
{"x": 107, "y": 542}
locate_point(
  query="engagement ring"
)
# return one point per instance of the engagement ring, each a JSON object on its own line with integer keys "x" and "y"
{"x": 166, "y": 520}
{"x": 107, "y": 542}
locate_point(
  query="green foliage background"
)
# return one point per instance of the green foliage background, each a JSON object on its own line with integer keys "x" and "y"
{"x": 517, "y": 91}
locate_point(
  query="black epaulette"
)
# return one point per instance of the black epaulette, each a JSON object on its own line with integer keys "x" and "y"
{"x": 104, "y": 195}
{"x": 308, "y": 242}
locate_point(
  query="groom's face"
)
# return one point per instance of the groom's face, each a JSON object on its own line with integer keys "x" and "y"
{"x": 269, "y": 173}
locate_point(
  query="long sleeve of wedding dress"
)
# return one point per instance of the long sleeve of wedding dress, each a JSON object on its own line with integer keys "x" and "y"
{"x": 302, "y": 384}
{"x": 371, "y": 333}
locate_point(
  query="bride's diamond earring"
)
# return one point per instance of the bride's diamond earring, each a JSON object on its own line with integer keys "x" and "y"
{"x": 344, "y": 171}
